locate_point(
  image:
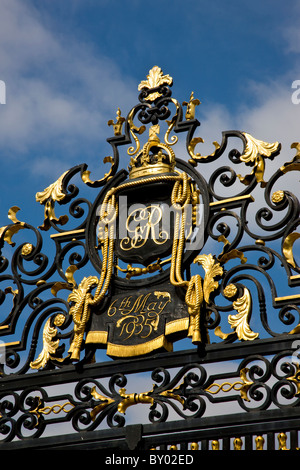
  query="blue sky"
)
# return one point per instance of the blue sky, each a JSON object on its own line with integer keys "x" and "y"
{"x": 68, "y": 65}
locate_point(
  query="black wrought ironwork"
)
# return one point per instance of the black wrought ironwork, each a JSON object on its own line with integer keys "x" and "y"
{"x": 251, "y": 318}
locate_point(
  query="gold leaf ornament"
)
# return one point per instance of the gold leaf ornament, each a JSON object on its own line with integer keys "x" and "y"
{"x": 50, "y": 345}
{"x": 48, "y": 196}
{"x": 212, "y": 269}
{"x": 239, "y": 322}
{"x": 254, "y": 153}
{"x": 54, "y": 191}
{"x": 155, "y": 78}
{"x": 287, "y": 248}
{"x": 80, "y": 312}
{"x": 7, "y": 231}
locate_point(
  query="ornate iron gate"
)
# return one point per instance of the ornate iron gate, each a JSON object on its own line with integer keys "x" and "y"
{"x": 165, "y": 257}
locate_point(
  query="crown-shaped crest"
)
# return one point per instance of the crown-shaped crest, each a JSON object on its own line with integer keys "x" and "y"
{"x": 156, "y": 157}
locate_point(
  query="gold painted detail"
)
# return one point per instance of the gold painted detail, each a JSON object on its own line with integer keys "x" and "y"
{"x": 230, "y": 291}
{"x": 254, "y": 154}
{"x": 294, "y": 164}
{"x": 259, "y": 442}
{"x": 133, "y": 131}
{"x": 191, "y": 107}
{"x": 119, "y": 350}
{"x": 124, "y": 401}
{"x": 80, "y": 312}
{"x": 7, "y": 231}
{"x": 277, "y": 196}
{"x": 197, "y": 290}
{"x": 50, "y": 344}
{"x": 85, "y": 175}
{"x": 215, "y": 445}
{"x": 46, "y": 410}
{"x": 14, "y": 292}
{"x": 287, "y": 248}
{"x": 194, "y": 446}
{"x": 239, "y": 386}
{"x": 228, "y": 254}
{"x": 104, "y": 402}
{"x": 117, "y": 126}
{"x": 196, "y": 157}
{"x": 54, "y": 191}
{"x": 139, "y": 316}
{"x": 282, "y": 438}
{"x": 70, "y": 284}
{"x": 134, "y": 271}
{"x": 48, "y": 196}
{"x": 212, "y": 269}
{"x": 82, "y": 296}
{"x": 295, "y": 379}
{"x": 146, "y": 225}
{"x": 26, "y": 249}
{"x": 237, "y": 443}
{"x": 239, "y": 322}
{"x": 162, "y": 160}
{"x": 155, "y": 78}
{"x": 133, "y": 399}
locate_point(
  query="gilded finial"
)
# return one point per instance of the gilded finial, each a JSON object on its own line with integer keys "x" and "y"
{"x": 259, "y": 441}
{"x": 237, "y": 443}
{"x": 191, "y": 107}
{"x": 118, "y": 124}
{"x": 155, "y": 78}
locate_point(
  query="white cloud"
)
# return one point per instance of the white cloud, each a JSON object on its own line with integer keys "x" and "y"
{"x": 60, "y": 95}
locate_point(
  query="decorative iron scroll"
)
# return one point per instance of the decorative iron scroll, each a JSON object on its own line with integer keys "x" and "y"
{"x": 225, "y": 269}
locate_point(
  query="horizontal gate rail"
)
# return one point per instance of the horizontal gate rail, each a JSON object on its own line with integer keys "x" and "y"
{"x": 163, "y": 437}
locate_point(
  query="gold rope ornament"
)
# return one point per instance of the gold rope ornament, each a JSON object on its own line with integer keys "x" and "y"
{"x": 82, "y": 296}
{"x": 181, "y": 196}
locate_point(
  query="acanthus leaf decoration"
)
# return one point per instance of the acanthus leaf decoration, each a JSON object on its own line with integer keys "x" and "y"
{"x": 50, "y": 344}
{"x": 254, "y": 154}
{"x": 240, "y": 321}
{"x": 212, "y": 269}
{"x": 80, "y": 312}
{"x": 47, "y": 197}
